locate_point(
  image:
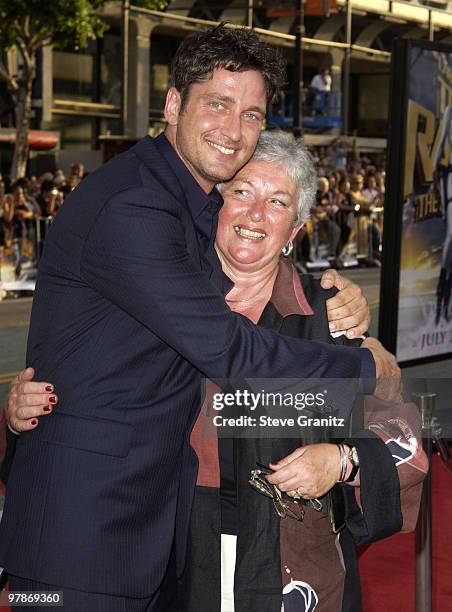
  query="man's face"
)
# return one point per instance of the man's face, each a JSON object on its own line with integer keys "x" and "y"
{"x": 216, "y": 132}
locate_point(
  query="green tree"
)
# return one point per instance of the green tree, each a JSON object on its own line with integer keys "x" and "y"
{"x": 28, "y": 25}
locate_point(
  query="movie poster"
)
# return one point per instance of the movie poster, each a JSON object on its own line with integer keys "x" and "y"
{"x": 424, "y": 327}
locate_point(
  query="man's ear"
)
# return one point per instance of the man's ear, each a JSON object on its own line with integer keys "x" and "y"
{"x": 172, "y": 106}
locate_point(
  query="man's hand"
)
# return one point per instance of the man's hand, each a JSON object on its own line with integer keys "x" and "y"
{"x": 313, "y": 470}
{"x": 385, "y": 362}
{"x": 27, "y": 400}
{"x": 348, "y": 310}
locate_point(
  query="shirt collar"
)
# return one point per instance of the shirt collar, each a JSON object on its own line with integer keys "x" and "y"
{"x": 288, "y": 296}
{"x": 197, "y": 199}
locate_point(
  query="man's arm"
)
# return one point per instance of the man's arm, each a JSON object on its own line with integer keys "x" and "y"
{"x": 136, "y": 257}
{"x": 28, "y": 400}
{"x": 164, "y": 275}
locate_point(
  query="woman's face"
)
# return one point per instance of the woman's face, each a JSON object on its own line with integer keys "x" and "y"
{"x": 358, "y": 183}
{"x": 372, "y": 183}
{"x": 256, "y": 220}
{"x": 18, "y": 195}
{"x": 345, "y": 186}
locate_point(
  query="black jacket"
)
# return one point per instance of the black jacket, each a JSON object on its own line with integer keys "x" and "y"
{"x": 257, "y": 581}
{"x": 125, "y": 320}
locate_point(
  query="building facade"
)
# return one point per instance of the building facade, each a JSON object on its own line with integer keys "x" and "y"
{"x": 117, "y": 85}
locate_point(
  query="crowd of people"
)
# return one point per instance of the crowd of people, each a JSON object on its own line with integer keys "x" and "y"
{"x": 151, "y": 292}
{"x": 345, "y": 219}
{"x": 24, "y": 202}
{"x": 346, "y": 216}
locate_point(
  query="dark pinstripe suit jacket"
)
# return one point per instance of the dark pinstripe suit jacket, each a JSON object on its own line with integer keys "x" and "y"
{"x": 125, "y": 321}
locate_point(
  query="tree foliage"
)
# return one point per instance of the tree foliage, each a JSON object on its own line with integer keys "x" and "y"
{"x": 34, "y": 23}
{"x": 157, "y": 5}
{"x": 62, "y": 23}
{"x": 27, "y": 26}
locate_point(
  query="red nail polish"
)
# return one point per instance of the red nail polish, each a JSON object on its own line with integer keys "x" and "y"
{"x": 52, "y": 399}
{"x": 34, "y": 422}
{"x": 47, "y": 408}
{"x": 49, "y": 388}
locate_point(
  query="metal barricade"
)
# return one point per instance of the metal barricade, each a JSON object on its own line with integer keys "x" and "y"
{"x": 42, "y": 227}
{"x": 18, "y": 268}
{"x": 423, "y": 533}
{"x": 319, "y": 259}
{"x": 364, "y": 234}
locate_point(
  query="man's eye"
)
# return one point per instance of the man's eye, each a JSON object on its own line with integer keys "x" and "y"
{"x": 278, "y": 202}
{"x": 252, "y": 117}
{"x": 241, "y": 192}
{"x": 216, "y": 105}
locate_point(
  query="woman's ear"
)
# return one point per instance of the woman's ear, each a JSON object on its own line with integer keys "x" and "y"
{"x": 295, "y": 231}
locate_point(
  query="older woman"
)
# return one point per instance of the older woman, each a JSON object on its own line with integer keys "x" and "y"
{"x": 259, "y": 554}
{"x": 242, "y": 554}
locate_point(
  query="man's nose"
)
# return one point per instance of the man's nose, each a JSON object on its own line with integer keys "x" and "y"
{"x": 232, "y": 127}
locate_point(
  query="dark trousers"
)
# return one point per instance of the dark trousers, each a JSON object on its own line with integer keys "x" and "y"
{"x": 77, "y": 601}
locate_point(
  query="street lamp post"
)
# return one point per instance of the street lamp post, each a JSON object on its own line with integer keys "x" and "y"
{"x": 298, "y": 69}
{"x": 348, "y": 51}
{"x": 125, "y": 65}
{"x": 423, "y": 534}
{"x": 249, "y": 18}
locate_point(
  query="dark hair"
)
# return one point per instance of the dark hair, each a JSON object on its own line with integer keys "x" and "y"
{"x": 46, "y": 186}
{"x": 234, "y": 49}
{"x": 21, "y": 182}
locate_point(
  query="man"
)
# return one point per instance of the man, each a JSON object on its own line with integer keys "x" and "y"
{"x": 322, "y": 81}
{"x": 319, "y": 92}
{"x": 324, "y": 212}
{"x": 76, "y": 175}
{"x": 129, "y": 313}
{"x": 371, "y": 192}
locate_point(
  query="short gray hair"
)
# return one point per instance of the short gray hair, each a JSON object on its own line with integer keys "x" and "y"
{"x": 291, "y": 153}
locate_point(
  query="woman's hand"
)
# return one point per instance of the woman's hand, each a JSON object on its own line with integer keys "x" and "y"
{"x": 310, "y": 471}
{"x": 27, "y": 400}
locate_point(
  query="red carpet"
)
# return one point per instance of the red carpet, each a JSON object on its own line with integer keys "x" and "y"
{"x": 387, "y": 567}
